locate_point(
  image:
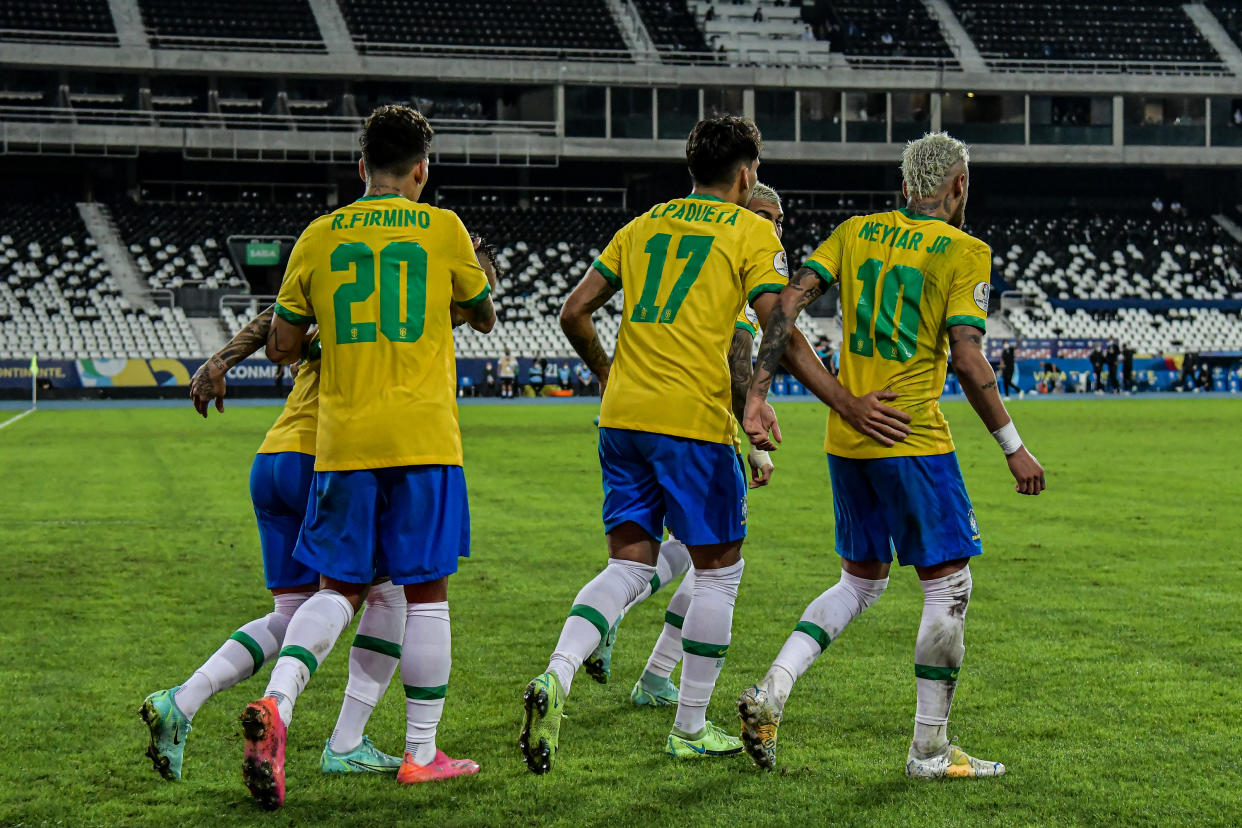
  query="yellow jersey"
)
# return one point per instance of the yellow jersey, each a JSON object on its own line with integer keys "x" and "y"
{"x": 378, "y": 277}
{"x": 905, "y": 279}
{"x": 295, "y": 428}
{"x": 686, "y": 268}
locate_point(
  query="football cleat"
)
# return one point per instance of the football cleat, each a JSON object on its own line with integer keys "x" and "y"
{"x": 656, "y": 691}
{"x": 442, "y": 767}
{"x": 950, "y": 762}
{"x": 598, "y": 665}
{"x": 365, "y": 758}
{"x": 544, "y": 701}
{"x": 169, "y": 728}
{"x": 263, "y": 755}
{"x": 760, "y": 718}
{"x": 712, "y": 741}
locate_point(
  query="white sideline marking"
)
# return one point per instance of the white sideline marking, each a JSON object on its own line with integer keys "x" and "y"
{"x": 12, "y": 420}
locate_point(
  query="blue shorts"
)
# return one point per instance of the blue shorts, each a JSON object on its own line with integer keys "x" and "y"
{"x": 280, "y": 486}
{"x": 916, "y": 506}
{"x": 411, "y": 522}
{"x": 694, "y": 487}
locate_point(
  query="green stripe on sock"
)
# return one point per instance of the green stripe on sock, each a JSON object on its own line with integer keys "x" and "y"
{"x": 818, "y": 633}
{"x": 377, "y": 645}
{"x": 674, "y": 619}
{"x": 303, "y": 655}
{"x": 252, "y": 647}
{"x": 926, "y": 671}
{"x": 655, "y": 583}
{"x": 698, "y": 648}
{"x": 425, "y": 693}
{"x": 593, "y": 615}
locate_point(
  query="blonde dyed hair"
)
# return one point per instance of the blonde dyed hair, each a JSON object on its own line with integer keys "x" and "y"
{"x": 927, "y": 162}
{"x": 765, "y": 193}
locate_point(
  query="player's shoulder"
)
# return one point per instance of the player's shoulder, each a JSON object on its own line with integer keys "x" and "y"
{"x": 969, "y": 243}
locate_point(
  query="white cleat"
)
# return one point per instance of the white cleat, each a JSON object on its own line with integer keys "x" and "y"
{"x": 950, "y": 762}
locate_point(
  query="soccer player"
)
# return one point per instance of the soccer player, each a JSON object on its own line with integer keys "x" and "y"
{"x": 686, "y": 268}
{"x": 279, "y": 486}
{"x": 915, "y": 288}
{"x": 379, "y": 276}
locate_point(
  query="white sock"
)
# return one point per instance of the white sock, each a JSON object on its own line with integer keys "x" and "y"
{"x": 372, "y": 661}
{"x": 666, "y": 654}
{"x": 673, "y": 561}
{"x": 241, "y": 656}
{"x": 938, "y": 654}
{"x": 312, "y": 632}
{"x": 824, "y": 619}
{"x": 598, "y": 606}
{"x": 426, "y": 660}
{"x": 705, "y": 639}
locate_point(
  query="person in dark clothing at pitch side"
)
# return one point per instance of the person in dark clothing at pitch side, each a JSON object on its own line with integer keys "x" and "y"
{"x": 1187, "y": 380}
{"x": 1203, "y": 378}
{"x": 1007, "y": 367}
{"x": 1127, "y": 368}
{"x": 1097, "y": 369}
{"x": 1111, "y": 357}
{"x": 489, "y": 380}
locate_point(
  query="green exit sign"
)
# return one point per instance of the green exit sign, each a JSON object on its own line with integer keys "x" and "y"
{"x": 263, "y": 253}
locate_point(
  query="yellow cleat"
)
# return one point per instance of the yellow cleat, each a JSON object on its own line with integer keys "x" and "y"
{"x": 760, "y": 718}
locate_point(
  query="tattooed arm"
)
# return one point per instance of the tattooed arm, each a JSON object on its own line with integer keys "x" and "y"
{"x": 286, "y": 341}
{"x": 589, "y": 296}
{"x": 485, "y": 253}
{"x": 978, "y": 382}
{"x": 208, "y": 381}
{"x": 740, "y": 369}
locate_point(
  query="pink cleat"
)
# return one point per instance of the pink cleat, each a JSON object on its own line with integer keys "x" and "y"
{"x": 442, "y": 767}
{"x": 263, "y": 759}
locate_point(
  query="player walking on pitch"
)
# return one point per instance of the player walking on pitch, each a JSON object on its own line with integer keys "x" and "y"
{"x": 379, "y": 276}
{"x": 686, "y": 268}
{"x": 914, "y": 288}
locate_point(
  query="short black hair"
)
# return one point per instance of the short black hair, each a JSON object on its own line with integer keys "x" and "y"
{"x": 717, "y": 146}
{"x": 395, "y": 138}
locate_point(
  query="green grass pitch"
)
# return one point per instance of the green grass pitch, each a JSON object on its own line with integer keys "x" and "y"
{"x": 1102, "y": 662}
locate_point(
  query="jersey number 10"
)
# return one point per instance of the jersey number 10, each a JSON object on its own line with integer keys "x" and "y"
{"x": 395, "y": 325}
{"x": 693, "y": 248}
{"x": 899, "y": 344}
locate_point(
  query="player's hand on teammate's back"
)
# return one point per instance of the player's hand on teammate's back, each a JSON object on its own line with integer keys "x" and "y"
{"x": 760, "y": 418}
{"x": 880, "y": 422}
{"x": 1026, "y": 471}
{"x": 760, "y": 467}
{"x": 206, "y": 385}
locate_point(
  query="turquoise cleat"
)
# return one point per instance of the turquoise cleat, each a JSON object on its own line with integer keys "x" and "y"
{"x": 654, "y": 691}
{"x": 365, "y": 758}
{"x": 598, "y": 665}
{"x": 169, "y": 728}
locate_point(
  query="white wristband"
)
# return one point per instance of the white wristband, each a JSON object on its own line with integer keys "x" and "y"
{"x": 760, "y": 458}
{"x": 1007, "y": 436}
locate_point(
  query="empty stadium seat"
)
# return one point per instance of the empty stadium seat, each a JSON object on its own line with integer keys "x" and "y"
{"x": 176, "y": 23}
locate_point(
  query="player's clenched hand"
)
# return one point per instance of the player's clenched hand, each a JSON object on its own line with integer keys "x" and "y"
{"x": 207, "y": 384}
{"x": 1026, "y": 471}
{"x": 760, "y": 467}
{"x": 758, "y": 420}
{"x": 878, "y": 421}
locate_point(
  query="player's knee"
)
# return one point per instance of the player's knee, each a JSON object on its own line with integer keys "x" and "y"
{"x": 866, "y": 591}
{"x": 287, "y": 603}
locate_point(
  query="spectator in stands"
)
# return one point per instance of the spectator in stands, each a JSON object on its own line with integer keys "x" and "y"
{"x": 586, "y": 380}
{"x": 562, "y": 376}
{"x": 1097, "y": 369}
{"x": 887, "y": 38}
{"x": 1237, "y": 116}
{"x": 1111, "y": 357}
{"x": 1127, "y": 368}
{"x": 758, "y": 15}
{"x": 508, "y": 375}
{"x": 710, "y": 14}
{"x": 1157, "y": 204}
{"x": 489, "y": 379}
{"x": 1007, "y": 368}
{"x": 808, "y": 34}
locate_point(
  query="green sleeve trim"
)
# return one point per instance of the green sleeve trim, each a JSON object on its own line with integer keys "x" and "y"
{"x": 926, "y": 671}
{"x": 770, "y": 287}
{"x": 816, "y": 632}
{"x": 314, "y": 351}
{"x": 821, "y": 272}
{"x": 252, "y": 647}
{"x": 301, "y": 654}
{"x": 745, "y": 326}
{"x": 589, "y": 613}
{"x": 612, "y": 278}
{"x": 699, "y": 648}
{"x": 377, "y": 645}
{"x": 294, "y": 318}
{"x": 425, "y": 693}
{"x": 673, "y": 619}
{"x": 483, "y": 294}
{"x": 973, "y": 321}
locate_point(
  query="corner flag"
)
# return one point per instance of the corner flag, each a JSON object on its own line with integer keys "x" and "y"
{"x": 34, "y": 365}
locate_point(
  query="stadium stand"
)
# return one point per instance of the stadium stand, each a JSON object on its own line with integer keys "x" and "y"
{"x": 60, "y": 20}
{"x": 58, "y": 298}
{"x": 1142, "y": 30}
{"x": 1229, "y": 13}
{"x": 672, "y": 26}
{"x": 579, "y": 25}
{"x": 780, "y": 38}
{"x": 279, "y": 26}
{"x": 896, "y": 28}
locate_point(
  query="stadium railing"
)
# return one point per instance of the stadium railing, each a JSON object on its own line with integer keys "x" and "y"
{"x": 233, "y": 44}
{"x": 60, "y": 38}
{"x": 1104, "y": 67}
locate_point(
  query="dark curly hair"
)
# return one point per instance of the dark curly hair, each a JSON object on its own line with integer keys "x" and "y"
{"x": 394, "y": 139}
{"x": 717, "y": 146}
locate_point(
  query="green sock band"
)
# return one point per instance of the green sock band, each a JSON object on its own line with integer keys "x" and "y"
{"x": 674, "y": 619}
{"x": 377, "y": 645}
{"x": 252, "y": 647}
{"x": 425, "y": 693}
{"x": 816, "y": 632}
{"x": 925, "y": 671}
{"x": 303, "y": 655}
{"x": 589, "y": 613}
{"x": 700, "y": 648}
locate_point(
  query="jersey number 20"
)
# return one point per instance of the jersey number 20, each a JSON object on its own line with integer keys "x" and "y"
{"x": 397, "y": 326}
{"x": 899, "y": 344}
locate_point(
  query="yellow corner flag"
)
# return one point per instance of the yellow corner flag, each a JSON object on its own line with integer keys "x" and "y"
{"x": 34, "y": 365}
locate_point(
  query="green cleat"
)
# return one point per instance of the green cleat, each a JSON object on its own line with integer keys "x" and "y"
{"x": 544, "y": 700}
{"x": 169, "y": 728}
{"x": 365, "y": 758}
{"x": 654, "y": 691}
{"x": 598, "y": 665}
{"x": 711, "y": 741}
